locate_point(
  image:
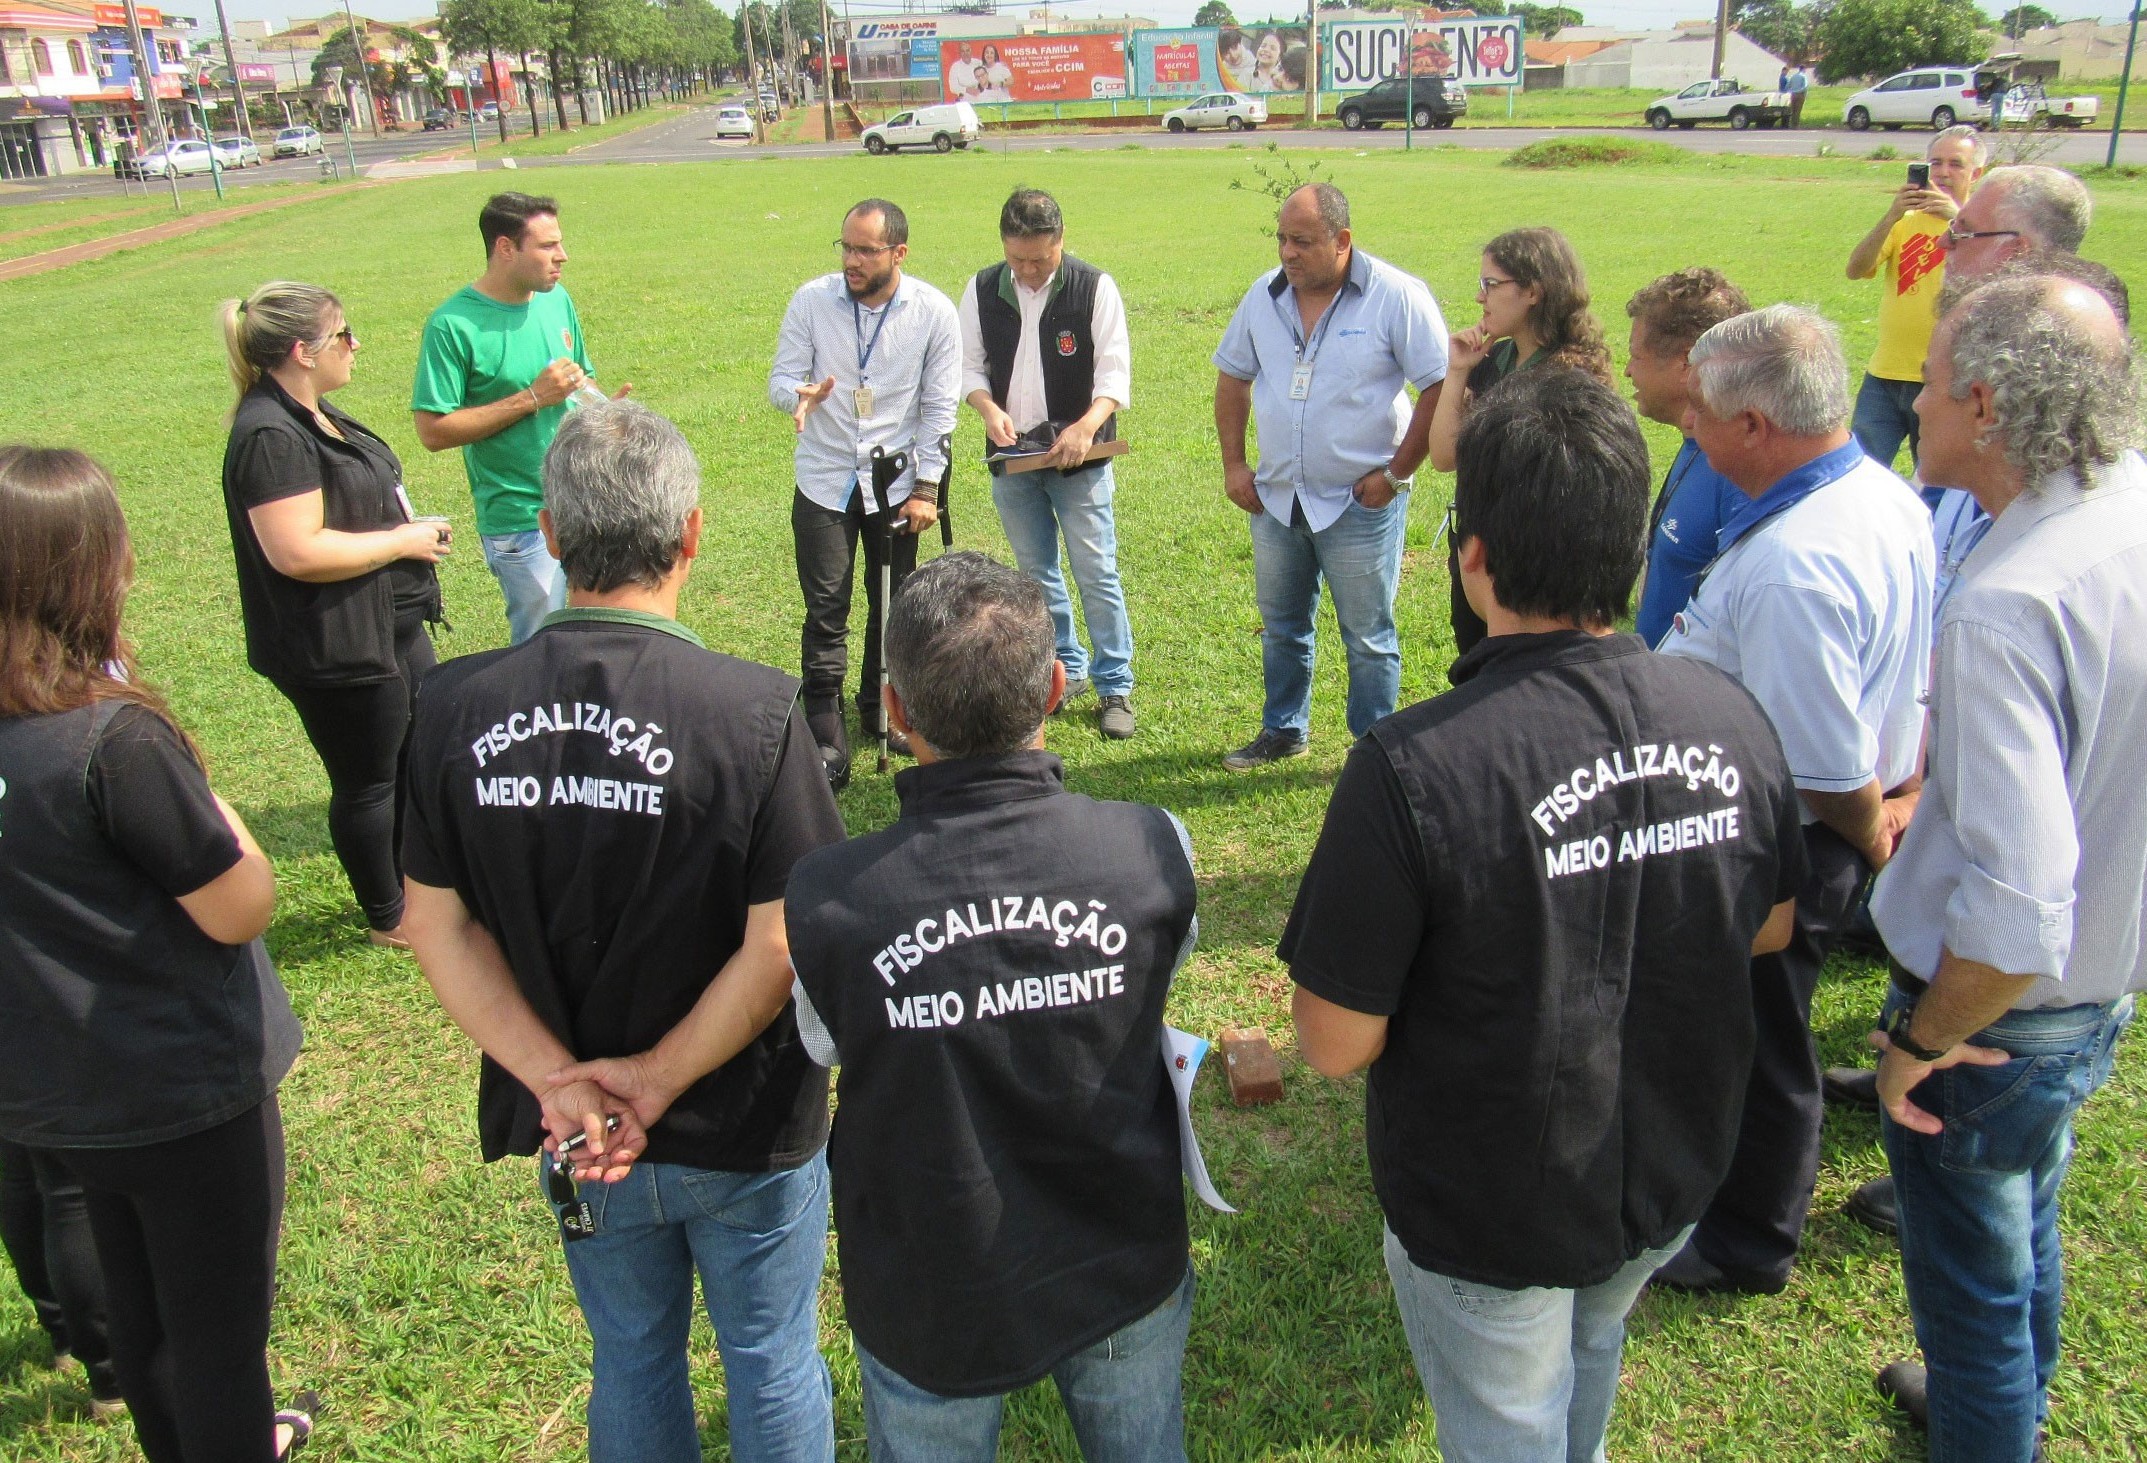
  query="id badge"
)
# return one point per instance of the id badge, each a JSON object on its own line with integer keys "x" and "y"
{"x": 1301, "y": 382}
{"x": 402, "y": 497}
{"x": 862, "y": 400}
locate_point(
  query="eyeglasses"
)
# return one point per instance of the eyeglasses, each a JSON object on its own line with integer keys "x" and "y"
{"x": 1486, "y": 283}
{"x": 863, "y": 251}
{"x": 1956, "y": 235}
{"x": 348, "y": 336}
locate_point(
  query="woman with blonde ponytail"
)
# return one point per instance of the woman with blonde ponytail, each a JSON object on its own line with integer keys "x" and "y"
{"x": 336, "y": 579}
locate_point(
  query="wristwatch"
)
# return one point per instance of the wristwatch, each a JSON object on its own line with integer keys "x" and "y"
{"x": 1897, "y": 1033}
{"x": 1386, "y": 470}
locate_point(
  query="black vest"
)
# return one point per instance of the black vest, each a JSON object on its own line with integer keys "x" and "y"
{"x": 1005, "y": 1158}
{"x": 121, "y": 1023}
{"x": 1065, "y": 338}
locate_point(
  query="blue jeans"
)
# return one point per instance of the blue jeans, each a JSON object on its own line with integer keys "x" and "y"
{"x": 1979, "y": 1222}
{"x": 759, "y": 1241}
{"x": 528, "y": 576}
{"x": 1122, "y": 1394}
{"x": 1885, "y": 418}
{"x": 1036, "y": 508}
{"x": 1519, "y": 1376}
{"x": 1360, "y": 557}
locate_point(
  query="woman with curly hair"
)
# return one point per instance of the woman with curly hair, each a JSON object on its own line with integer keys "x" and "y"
{"x": 1534, "y": 295}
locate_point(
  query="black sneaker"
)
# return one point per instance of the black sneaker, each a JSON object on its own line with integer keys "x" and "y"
{"x": 1906, "y": 1387}
{"x": 1874, "y": 1206}
{"x": 824, "y": 720}
{"x": 1269, "y": 746}
{"x": 1076, "y": 688}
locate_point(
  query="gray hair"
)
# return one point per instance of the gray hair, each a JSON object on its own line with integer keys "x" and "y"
{"x": 1330, "y": 204}
{"x": 620, "y": 483}
{"x": 1784, "y": 362}
{"x": 1978, "y": 148}
{"x": 2032, "y": 261}
{"x": 2062, "y": 394}
{"x": 2049, "y": 205}
{"x": 969, "y": 651}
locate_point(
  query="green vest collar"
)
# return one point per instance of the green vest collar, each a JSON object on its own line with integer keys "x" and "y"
{"x": 609, "y": 615}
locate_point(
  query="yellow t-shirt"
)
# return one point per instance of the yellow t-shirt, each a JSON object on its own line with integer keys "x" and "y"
{"x": 1911, "y": 269}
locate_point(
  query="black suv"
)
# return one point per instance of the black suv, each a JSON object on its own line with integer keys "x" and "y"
{"x": 440, "y": 119}
{"x": 1435, "y": 103}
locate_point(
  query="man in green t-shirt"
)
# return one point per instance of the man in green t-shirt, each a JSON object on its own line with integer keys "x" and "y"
{"x": 494, "y": 373}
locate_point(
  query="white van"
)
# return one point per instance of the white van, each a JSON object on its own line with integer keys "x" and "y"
{"x": 944, "y": 128}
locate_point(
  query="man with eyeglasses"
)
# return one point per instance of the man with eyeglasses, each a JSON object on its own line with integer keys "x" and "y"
{"x": 869, "y": 365}
{"x": 602, "y": 822}
{"x": 2017, "y": 209}
{"x": 1905, "y": 250}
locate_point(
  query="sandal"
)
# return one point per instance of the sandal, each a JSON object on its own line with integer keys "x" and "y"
{"x": 298, "y": 1417}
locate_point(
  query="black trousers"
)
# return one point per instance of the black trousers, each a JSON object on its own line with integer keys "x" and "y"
{"x": 362, "y": 734}
{"x": 44, "y": 1225}
{"x": 826, "y": 540}
{"x": 1757, "y": 1217}
{"x": 186, "y": 1231}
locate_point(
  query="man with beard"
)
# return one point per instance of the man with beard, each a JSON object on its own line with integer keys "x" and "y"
{"x": 869, "y": 366}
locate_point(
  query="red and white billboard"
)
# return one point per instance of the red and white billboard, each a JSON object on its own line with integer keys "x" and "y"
{"x": 1073, "y": 68}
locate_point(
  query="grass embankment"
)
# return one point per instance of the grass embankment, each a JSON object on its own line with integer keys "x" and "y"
{"x": 423, "y": 1292}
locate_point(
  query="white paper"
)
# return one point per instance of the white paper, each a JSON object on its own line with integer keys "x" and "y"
{"x": 1182, "y": 1052}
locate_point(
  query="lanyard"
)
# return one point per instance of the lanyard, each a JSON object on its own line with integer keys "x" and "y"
{"x": 1292, "y": 319}
{"x": 864, "y": 351}
{"x": 1669, "y": 488}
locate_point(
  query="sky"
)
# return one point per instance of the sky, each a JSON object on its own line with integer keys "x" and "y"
{"x": 1659, "y": 14}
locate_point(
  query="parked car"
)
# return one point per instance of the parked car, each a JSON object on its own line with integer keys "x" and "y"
{"x": 1724, "y": 100}
{"x": 440, "y": 119}
{"x": 1930, "y": 96}
{"x": 172, "y": 160}
{"x": 489, "y": 112}
{"x": 234, "y": 151}
{"x": 297, "y": 142}
{"x": 1432, "y": 101}
{"x": 942, "y": 128}
{"x": 734, "y": 122}
{"x": 1231, "y": 109}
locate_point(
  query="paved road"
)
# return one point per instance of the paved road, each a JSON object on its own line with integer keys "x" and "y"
{"x": 693, "y": 136}
{"x": 101, "y": 184}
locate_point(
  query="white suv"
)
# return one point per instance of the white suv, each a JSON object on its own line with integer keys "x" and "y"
{"x": 1930, "y": 96}
{"x": 1230, "y": 109}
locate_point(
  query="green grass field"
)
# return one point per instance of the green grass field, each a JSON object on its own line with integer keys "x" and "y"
{"x": 422, "y": 1291}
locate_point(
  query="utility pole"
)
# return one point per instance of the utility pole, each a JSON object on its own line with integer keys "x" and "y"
{"x": 790, "y": 53}
{"x": 365, "y": 76}
{"x": 752, "y": 70}
{"x": 827, "y": 71}
{"x": 2124, "y": 83}
{"x": 1722, "y": 38}
{"x": 151, "y": 112}
{"x": 1312, "y": 62}
{"x": 238, "y": 89}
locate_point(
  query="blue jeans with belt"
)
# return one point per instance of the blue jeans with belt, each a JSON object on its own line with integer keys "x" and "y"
{"x": 1359, "y": 557}
{"x": 1979, "y": 1221}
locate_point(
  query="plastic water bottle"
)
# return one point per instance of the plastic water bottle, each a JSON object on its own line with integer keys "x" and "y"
{"x": 586, "y": 394}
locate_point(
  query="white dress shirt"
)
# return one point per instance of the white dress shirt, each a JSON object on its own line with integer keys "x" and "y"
{"x": 914, "y": 371}
{"x": 1025, "y": 389}
{"x": 2028, "y": 852}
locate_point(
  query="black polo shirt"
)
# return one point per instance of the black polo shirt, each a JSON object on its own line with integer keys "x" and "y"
{"x": 608, "y": 799}
{"x": 1549, "y": 879}
{"x": 301, "y": 633}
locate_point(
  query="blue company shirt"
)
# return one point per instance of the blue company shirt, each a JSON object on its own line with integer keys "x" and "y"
{"x": 1696, "y": 501}
{"x": 1381, "y": 330}
{"x": 2029, "y": 850}
{"x": 1958, "y": 524}
{"x": 1820, "y": 603}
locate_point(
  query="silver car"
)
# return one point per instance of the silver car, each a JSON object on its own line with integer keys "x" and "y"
{"x": 297, "y": 142}
{"x": 1229, "y": 109}
{"x": 235, "y": 151}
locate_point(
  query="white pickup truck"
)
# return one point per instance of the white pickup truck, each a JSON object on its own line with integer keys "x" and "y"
{"x": 1719, "y": 101}
{"x": 2027, "y": 105}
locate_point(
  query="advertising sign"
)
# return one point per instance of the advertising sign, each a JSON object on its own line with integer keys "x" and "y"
{"x": 1257, "y": 58}
{"x": 1064, "y": 68}
{"x": 116, "y": 15}
{"x": 1473, "y": 50}
{"x": 1174, "y": 63}
{"x": 260, "y": 71}
{"x": 895, "y": 50}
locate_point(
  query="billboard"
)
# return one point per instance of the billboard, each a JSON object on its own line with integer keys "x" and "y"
{"x": 257, "y": 71}
{"x": 1062, "y": 68}
{"x": 895, "y": 50}
{"x": 1174, "y": 63}
{"x": 1473, "y": 50}
{"x": 1258, "y": 58}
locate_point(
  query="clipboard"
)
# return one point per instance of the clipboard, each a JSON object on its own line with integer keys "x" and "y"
{"x": 1035, "y": 461}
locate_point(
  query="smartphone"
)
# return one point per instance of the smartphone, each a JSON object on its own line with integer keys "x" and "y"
{"x": 1919, "y": 175}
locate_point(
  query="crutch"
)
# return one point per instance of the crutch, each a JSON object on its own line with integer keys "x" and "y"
{"x": 887, "y": 580}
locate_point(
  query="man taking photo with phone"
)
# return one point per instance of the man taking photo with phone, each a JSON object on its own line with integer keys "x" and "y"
{"x": 1905, "y": 250}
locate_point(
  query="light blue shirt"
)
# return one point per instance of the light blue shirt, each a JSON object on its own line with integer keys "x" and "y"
{"x": 1820, "y": 604}
{"x": 1382, "y": 329}
{"x": 1958, "y": 524}
{"x": 2029, "y": 850}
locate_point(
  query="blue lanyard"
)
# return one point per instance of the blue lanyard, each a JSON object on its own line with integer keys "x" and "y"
{"x": 1291, "y": 319}
{"x": 864, "y": 351}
